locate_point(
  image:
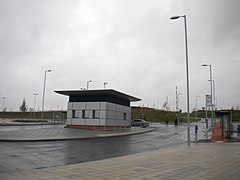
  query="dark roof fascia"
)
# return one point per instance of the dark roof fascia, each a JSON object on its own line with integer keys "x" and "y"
{"x": 103, "y": 92}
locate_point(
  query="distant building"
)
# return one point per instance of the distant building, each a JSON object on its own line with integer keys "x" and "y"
{"x": 98, "y": 109}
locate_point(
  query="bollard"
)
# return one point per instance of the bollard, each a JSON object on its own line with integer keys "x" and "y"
{"x": 238, "y": 130}
{"x": 196, "y": 130}
{"x": 206, "y": 129}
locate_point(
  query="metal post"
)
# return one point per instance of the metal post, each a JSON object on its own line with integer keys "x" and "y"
{"x": 187, "y": 73}
{"x": 196, "y": 106}
{"x": 206, "y": 121}
{"x": 214, "y": 95}
{"x": 211, "y": 96}
{"x": 196, "y": 131}
{"x": 214, "y": 101}
{"x": 210, "y": 66}
{"x": 34, "y": 104}
{"x": 176, "y": 100}
{"x": 44, "y": 84}
{"x": 88, "y": 83}
{"x": 104, "y": 84}
{"x": 3, "y": 99}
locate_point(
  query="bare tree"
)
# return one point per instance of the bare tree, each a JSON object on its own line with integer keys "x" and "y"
{"x": 23, "y": 107}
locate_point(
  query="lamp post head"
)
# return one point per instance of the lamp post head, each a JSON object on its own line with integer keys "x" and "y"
{"x": 211, "y": 81}
{"x": 205, "y": 65}
{"x": 174, "y": 17}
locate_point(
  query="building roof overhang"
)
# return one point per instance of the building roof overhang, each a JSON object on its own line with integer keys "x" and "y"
{"x": 101, "y": 92}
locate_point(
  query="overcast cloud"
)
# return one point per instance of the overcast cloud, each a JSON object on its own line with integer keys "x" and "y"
{"x": 131, "y": 44}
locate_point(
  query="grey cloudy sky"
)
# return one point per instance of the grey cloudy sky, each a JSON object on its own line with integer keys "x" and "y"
{"x": 131, "y": 44}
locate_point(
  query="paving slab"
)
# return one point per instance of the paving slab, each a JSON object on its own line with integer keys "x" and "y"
{"x": 197, "y": 161}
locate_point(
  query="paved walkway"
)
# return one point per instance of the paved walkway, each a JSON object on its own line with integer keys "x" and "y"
{"x": 59, "y": 133}
{"x": 197, "y": 161}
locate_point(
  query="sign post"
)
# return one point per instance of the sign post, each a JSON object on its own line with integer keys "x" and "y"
{"x": 208, "y": 103}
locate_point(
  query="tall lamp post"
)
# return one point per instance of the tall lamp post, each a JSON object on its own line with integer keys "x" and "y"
{"x": 177, "y": 99}
{"x": 44, "y": 85}
{"x": 104, "y": 84}
{"x": 177, "y": 104}
{"x": 187, "y": 74}
{"x": 214, "y": 94}
{"x": 3, "y": 99}
{"x": 88, "y": 83}
{"x": 210, "y": 69}
{"x": 196, "y": 105}
{"x": 34, "y": 104}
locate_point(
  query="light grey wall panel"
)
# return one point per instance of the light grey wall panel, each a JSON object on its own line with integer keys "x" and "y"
{"x": 119, "y": 108}
{"x": 69, "y": 106}
{"x": 111, "y": 106}
{"x": 93, "y": 105}
{"x": 103, "y": 105}
{"x": 79, "y": 105}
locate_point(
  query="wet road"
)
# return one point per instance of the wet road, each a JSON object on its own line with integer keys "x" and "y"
{"x": 15, "y": 156}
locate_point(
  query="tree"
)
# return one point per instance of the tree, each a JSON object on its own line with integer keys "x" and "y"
{"x": 23, "y": 107}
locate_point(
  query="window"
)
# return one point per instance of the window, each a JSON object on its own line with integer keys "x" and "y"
{"x": 93, "y": 114}
{"x": 83, "y": 114}
{"x": 124, "y": 116}
{"x": 73, "y": 113}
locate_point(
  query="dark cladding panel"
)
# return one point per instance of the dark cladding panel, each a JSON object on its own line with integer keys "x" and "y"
{"x": 104, "y": 95}
{"x": 95, "y": 98}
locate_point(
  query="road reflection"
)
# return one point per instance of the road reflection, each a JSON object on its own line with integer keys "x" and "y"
{"x": 33, "y": 155}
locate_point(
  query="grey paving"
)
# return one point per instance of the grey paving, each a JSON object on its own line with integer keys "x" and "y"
{"x": 197, "y": 161}
{"x": 41, "y": 133}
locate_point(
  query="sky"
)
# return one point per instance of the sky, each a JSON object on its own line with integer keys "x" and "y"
{"x": 130, "y": 44}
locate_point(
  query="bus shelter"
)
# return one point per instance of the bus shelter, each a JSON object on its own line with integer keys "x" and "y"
{"x": 225, "y": 117}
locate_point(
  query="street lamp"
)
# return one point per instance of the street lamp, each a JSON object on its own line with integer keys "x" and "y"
{"x": 196, "y": 105}
{"x": 34, "y": 102}
{"x": 88, "y": 83}
{"x": 104, "y": 84}
{"x": 3, "y": 99}
{"x": 187, "y": 74}
{"x": 214, "y": 94}
{"x": 177, "y": 103}
{"x": 44, "y": 84}
{"x": 177, "y": 99}
{"x": 210, "y": 68}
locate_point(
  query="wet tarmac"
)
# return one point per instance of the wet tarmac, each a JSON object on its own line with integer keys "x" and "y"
{"x": 17, "y": 156}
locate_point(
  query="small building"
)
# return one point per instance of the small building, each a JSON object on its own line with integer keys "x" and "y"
{"x": 98, "y": 109}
